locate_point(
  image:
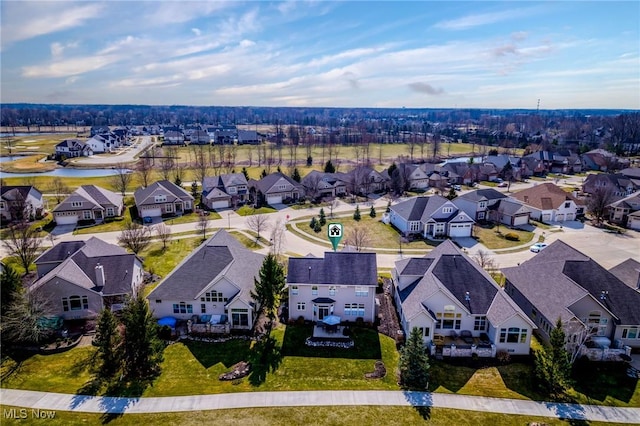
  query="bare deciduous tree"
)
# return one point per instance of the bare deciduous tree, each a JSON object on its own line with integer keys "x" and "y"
{"x": 144, "y": 169}
{"x": 23, "y": 320}
{"x": 24, "y": 242}
{"x": 278, "y": 238}
{"x": 135, "y": 237}
{"x": 168, "y": 161}
{"x": 358, "y": 237}
{"x": 486, "y": 262}
{"x": 201, "y": 225}
{"x": 59, "y": 189}
{"x": 577, "y": 335}
{"x": 598, "y": 202}
{"x": 258, "y": 223}
{"x": 121, "y": 180}
{"x": 164, "y": 234}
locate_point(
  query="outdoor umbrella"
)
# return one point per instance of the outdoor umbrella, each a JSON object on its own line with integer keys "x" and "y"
{"x": 331, "y": 320}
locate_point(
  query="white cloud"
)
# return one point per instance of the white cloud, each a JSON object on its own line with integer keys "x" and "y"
{"x": 196, "y": 31}
{"x": 472, "y": 21}
{"x": 69, "y": 67}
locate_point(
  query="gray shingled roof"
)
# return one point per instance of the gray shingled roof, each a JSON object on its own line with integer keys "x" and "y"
{"x": 221, "y": 255}
{"x": 265, "y": 184}
{"x": 163, "y": 187}
{"x": 59, "y": 252}
{"x": 628, "y": 272}
{"x": 483, "y": 194}
{"x": 422, "y": 208}
{"x": 340, "y": 268}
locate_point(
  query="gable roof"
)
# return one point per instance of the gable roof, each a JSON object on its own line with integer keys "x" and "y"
{"x": 171, "y": 190}
{"x": 423, "y": 208}
{"x": 483, "y": 195}
{"x": 628, "y": 272}
{"x": 339, "y": 268}
{"x": 221, "y": 255}
{"x": 98, "y": 198}
{"x": 265, "y": 184}
{"x": 12, "y": 192}
{"x": 545, "y": 196}
{"x": 59, "y": 252}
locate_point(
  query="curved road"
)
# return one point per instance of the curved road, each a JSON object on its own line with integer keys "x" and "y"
{"x": 114, "y": 405}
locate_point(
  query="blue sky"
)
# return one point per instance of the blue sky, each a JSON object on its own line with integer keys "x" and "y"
{"x": 574, "y": 54}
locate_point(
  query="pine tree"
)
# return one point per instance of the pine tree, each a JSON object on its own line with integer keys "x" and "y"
{"x": 414, "y": 363}
{"x": 323, "y": 217}
{"x": 10, "y": 287}
{"x": 452, "y": 194}
{"x": 356, "y": 214}
{"x": 317, "y": 227}
{"x": 313, "y": 222}
{"x": 296, "y": 175}
{"x": 329, "y": 167}
{"x": 142, "y": 346}
{"x": 269, "y": 287}
{"x": 108, "y": 342}
{"x": 245, "y": 173}
{"x": 388, "y": 210}
{"x": 264, "y": 173}
{"x": 309, "y": 161}
{"x": 552, "y": 365}
{"x": 372, "y": 212}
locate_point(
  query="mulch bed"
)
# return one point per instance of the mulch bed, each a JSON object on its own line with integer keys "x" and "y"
{"x": 238, "y": 371}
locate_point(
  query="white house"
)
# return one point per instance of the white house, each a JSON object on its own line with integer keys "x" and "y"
{"x": 432, "y": 217}
{"x": 550, "y": 203}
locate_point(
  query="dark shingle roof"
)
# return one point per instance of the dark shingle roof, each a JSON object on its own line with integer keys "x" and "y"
{"x": 59, "y": 252}
{"x": 483, "y": 194}
{"x": 340, "y": 268}
{"x": 628, "y": 272}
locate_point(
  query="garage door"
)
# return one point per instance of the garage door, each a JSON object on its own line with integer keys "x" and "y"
{"x": 570, "y": 216}
{"x": 520, "y": 220}
{"x": 559, "y": 217}
{"x": 274, "y": 199}
{"x": 222, "y": 204}
{"x": 460, "y": 230}
{"x": 151, "y": 212}
{"x": 66, "y": 220}
{"x": 546, "y": 217}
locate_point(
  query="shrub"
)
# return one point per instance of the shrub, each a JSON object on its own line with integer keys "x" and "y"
{"x": 300, "y": 320}
{"x": 503, "y": 356}
{"x": 512, "y": 236}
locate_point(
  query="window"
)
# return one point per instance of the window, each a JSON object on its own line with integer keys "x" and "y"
{"x": 2, "y": 205}
{"x": 168, "y": 208}
{"x": 354, "y": 309}
{"x": 232, "y": 190}
{"x": 362, "y": 291}
{"x": 187, "y": 205}
{"x": 567, "y": 205}
{"x": 75, "y": 303}
{"x": 447, "y": 210}
{"x": 182, "y": 308}
{"x": 86, "y": 214}
{"x": 513, "y": 335}
{"x": 240, "y": 317}
{"x": 294, "y": 290}
{"x": 630, "y": 333}
{"x": 424, "y": 331}
{"x": 158, "y": 301}
{"x": 482, "y": 205}
{"x": 282, "y": 187}
{"x": 302, "y": 306}
{"x": 414, "y": 226}
{"x": 76, "y": 204}
{"x": 110, "y": 211}
{"x": 480, "y": 215}
{"x": 332, "y": 290}
{"x": 213, "y": 296}
{"x": 480, "y": 324}
{"x": 448, "y": 320}
{"x": 314, "y": 290}
{"x": 160, "y": 198}
{"x": 203, "y": 308}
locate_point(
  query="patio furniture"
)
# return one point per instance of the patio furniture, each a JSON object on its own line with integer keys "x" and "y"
{"x": 484, "y": 339}
{"x": 466, "y": 336}
{"x": 438, "y": 339}
{"x": 453, "y": 334}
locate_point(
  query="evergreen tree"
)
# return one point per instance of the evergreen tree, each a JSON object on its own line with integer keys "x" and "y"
{"x": 264, "y": 173}
{"x": 10, "y": 287}
{"x": 323, "y": 217}
{"x": 329, "y": 167}
{"x": 317, "y": 227}
{"x": 452, "y": 194}
{"x": 245, "y": 173}
{"x": 278, "y": 169}
{"x": 178, "y": 181}
{"x": 194, "y": 190}
{"x": 392, "y": 168}
{"x": 388, "y": 210}
{"x": 372, "y": 212}
{"x": 309, "y": 161}
{"x": 356, "y": 214}
{"x": 108, "y": 342}
{"x": 269, "y": 287}
{"x": 142, "y": 346}
{"x": 296, "y": 175}
{"x": 414, "y": 363}
{"x": 552, "y": 365}
{"x": 313, "y": 222}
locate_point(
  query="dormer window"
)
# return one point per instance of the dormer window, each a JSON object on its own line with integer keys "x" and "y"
{"x": 482, "y": 204}
{"x": 160, "y": 198}
{"x": 282, "y": 187}
{"x": 447, "y": 210}
{"x": 76, "y": 204}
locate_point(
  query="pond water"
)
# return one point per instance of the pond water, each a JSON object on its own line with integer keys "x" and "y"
{"x": 477, "y": 160}
{"x": 65, "y": 172}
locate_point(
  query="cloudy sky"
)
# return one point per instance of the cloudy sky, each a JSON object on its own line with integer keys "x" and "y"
{"x": 573, "y": 54}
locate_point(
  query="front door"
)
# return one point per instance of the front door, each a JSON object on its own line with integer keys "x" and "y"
{"x": 323, "y": 311}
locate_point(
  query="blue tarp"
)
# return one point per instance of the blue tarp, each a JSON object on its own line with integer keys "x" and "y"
{"x": 170, "y": 321}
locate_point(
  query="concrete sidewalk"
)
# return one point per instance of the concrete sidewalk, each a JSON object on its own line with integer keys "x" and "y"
{"x": 114, "y": 405}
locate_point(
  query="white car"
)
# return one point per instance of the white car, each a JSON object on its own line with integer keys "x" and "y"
{"x": 537, "y": 247}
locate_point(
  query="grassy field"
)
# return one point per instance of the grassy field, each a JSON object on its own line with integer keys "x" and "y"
{"x": 337, "y": 415}
{"x": 492, "y": 239}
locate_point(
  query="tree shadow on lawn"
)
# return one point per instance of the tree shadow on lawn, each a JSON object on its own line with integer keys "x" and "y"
{"x": 228, "y": 353}
{"x": 265, "y": 357}
{"x": 421, "y": 402}
{"x": 450, "y": 375}
{"x": 18, "y": 357}
{"x": 519, "y": 377}
{"x": 366, "y": 344}
{"x": 599, "y": 380}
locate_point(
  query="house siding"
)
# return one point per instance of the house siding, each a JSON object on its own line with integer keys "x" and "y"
{"x": 56, "y": 288}
{"x": 344, "y": 294}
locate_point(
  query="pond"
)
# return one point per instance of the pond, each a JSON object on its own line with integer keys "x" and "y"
{"x": 65, "y": 172}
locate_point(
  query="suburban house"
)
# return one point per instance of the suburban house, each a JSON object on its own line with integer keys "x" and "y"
{"x": 491, "y": 205}
{"x": 275, "y": 188}
{"x": 102, "y": 143}
{"x": 173, "y": 137}
{"x": 620, "y": 210}
{"x": 618, "y": 185}
{"x": 318, "y": 184}
{"x": 80, "y": 278}
{"x": 341, "y": 284}
{"x": 364, "y": 180}
{"x": 416, "y": 177}
{"x": 88, "y": 202}
{"x": 212, "y": 285}
{"x": 600, "y": 160}
{"x": 432, "y": 217}
{"x": 457, "y": 306}
{"x": 561, "y": 282}
{"x": 550, "y": 203}
{"x": 631, "y": 173}
{"x": 628, "y": 272}
{"x": 248, "y": 137}
{"x": 70, "y": 148}
{"x": 20, "y": 202}
{"x": 199, "y": 137}
{"x": 162, "y": 198}
{"x": 227, "y": 190}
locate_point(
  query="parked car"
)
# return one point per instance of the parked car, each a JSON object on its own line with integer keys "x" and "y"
{"x": 457, "y": 187}
{"x": 502, "y": 185}
{"x": 538, "y": 247}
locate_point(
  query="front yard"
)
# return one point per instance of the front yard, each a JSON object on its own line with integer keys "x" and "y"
{"x": 492, "y": 238}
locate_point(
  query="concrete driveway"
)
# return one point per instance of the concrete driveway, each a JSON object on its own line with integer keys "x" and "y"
{"x": 63, "y": 229}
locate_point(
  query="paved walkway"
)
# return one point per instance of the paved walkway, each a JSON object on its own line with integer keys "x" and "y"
{"x": 93, "y": 404}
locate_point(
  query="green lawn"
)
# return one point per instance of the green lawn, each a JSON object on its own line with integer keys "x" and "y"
{"x": 494, "y": 239}
{"x": 337, "y": 415}
{"x": 248, "y": 210}
{"x": 161, "y": 261}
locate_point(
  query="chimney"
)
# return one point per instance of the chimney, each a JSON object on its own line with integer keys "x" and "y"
{"x": 99, "y": 275}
